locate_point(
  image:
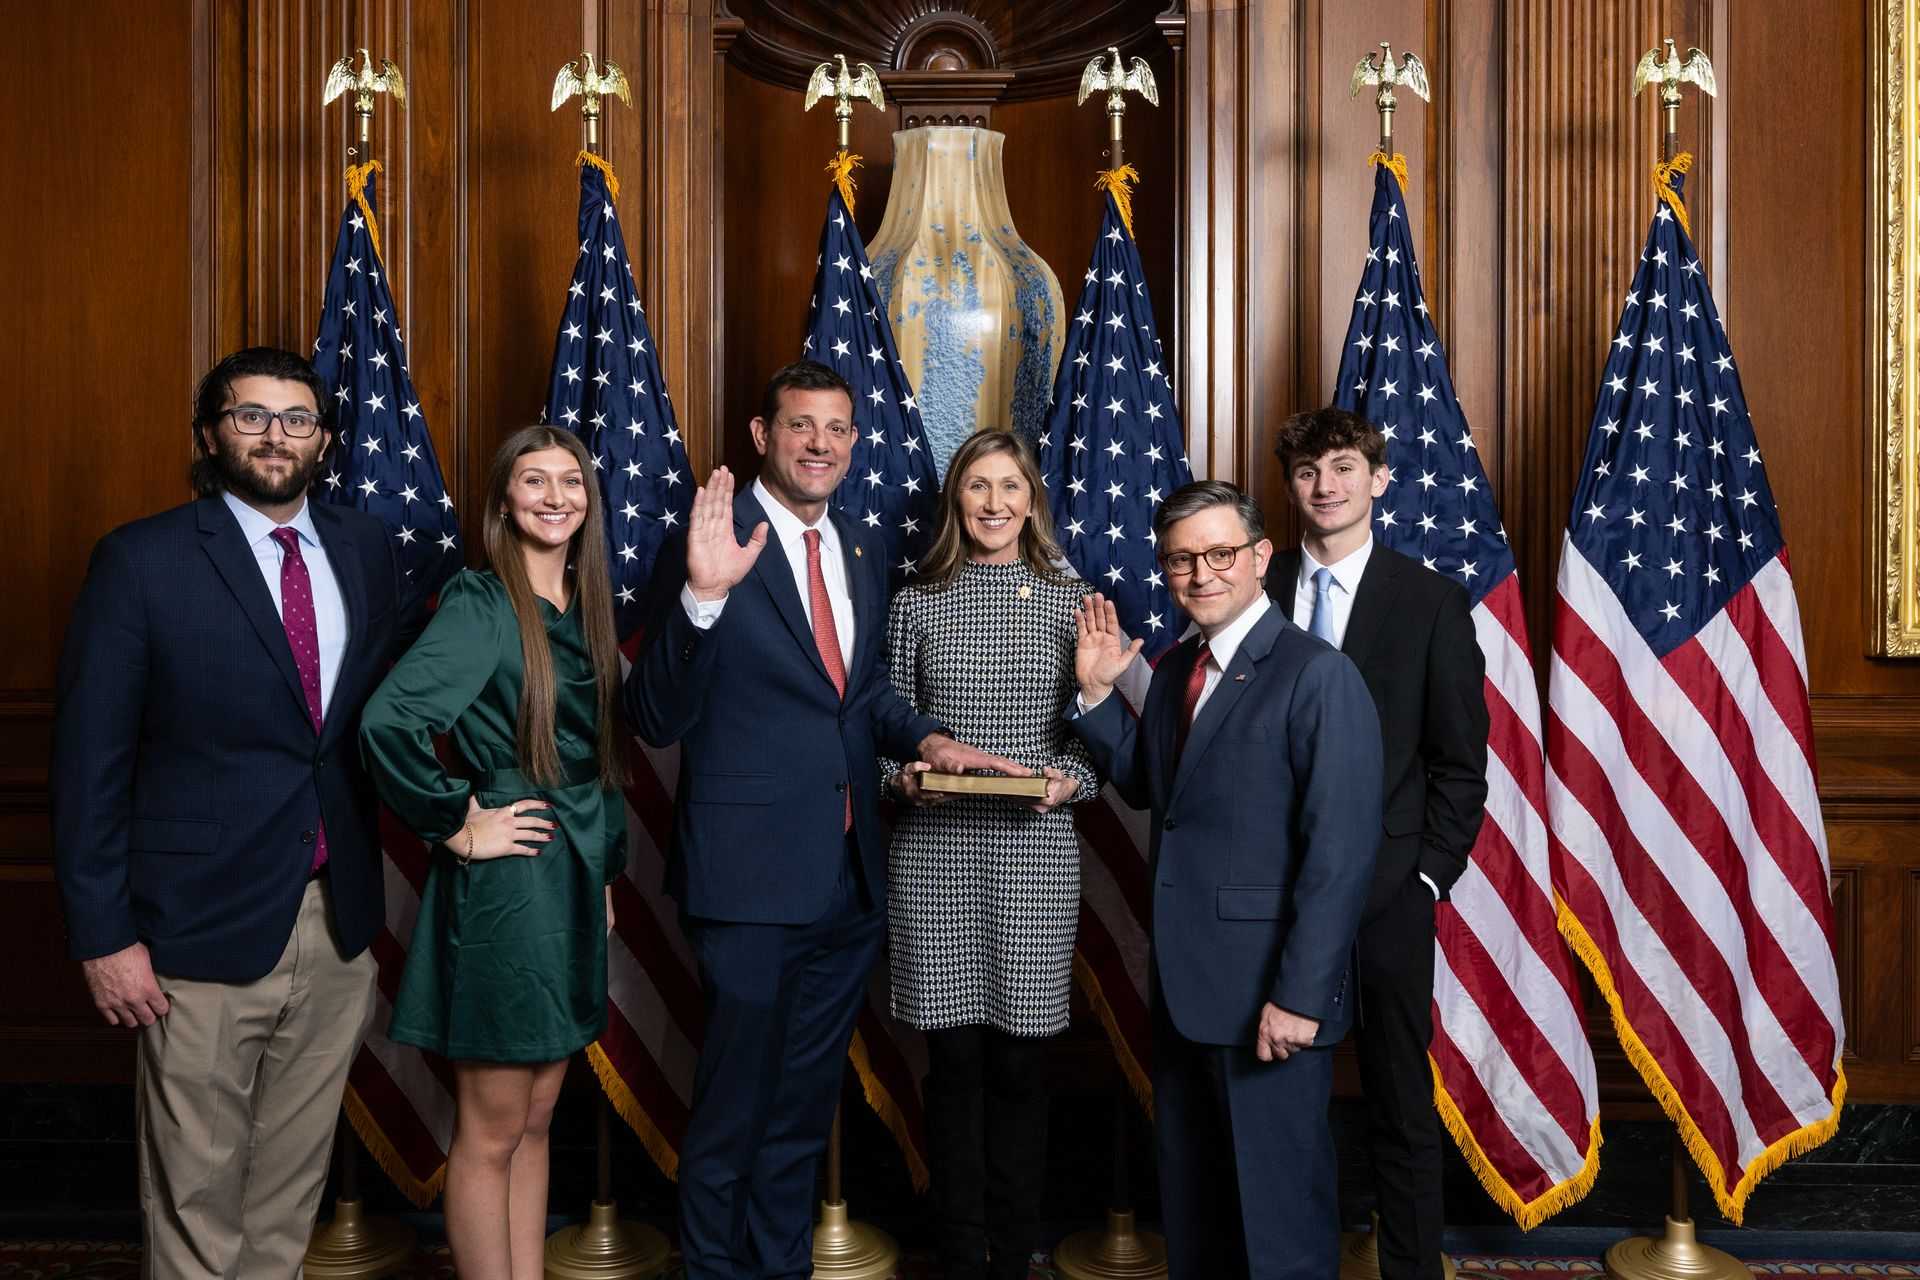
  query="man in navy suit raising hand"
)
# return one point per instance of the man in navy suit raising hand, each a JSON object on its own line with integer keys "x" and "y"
{"x": 764, "y": 660}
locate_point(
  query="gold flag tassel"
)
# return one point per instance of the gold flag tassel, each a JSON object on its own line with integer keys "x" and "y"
{"x": 1119, "y": 184}
{"x": 1663, "y": 173}
{"x": 613, "y": 183}
{"x": 1395, "y": 164}
{"x": 357, "y": 177}
{"x": 840, "y": 169}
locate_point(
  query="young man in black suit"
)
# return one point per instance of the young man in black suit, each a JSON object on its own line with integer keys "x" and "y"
{"x": 1410, "y": 631}
{"x": 214, "y": 832}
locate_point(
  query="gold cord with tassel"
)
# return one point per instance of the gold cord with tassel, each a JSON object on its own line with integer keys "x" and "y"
{"x": 357, "y": 176}
{"x": 840, "y": 169}
{"x": 1663, "y": 185}
{"x": 1119, "y": 184}
{"x": 1395, "y": 164}
{"x": 613, "y": 183}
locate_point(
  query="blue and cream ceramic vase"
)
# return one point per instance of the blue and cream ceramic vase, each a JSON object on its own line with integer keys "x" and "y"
{"x": 978, "y": 316}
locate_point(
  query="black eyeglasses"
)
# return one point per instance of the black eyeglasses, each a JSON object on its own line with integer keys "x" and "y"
{"x": 1219, "y": 559}
{"x": 252, "y": 420}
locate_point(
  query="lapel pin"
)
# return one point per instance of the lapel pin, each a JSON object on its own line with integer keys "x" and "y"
{"x": 1025, "y": 592}
{"x": 858, "y": 552}
{"x": 1241, "y": 676}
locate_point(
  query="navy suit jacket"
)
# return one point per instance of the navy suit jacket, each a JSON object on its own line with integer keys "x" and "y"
{"x": 1264, "y": 829}
{"x": 768, "y": 748}
{"x": 186, "y": 780}
{"x": 1411, "y": 634}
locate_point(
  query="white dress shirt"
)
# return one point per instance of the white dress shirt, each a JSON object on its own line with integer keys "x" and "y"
{"x": 788, "y": 531}
{"x": 329, "y": 609}
{"x": 1346, "y": 581}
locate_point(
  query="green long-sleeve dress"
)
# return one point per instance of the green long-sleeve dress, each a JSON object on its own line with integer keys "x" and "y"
{"x": 508, "y": 961}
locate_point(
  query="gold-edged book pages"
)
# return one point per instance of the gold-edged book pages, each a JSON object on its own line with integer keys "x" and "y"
{"x": 985, "y": 784}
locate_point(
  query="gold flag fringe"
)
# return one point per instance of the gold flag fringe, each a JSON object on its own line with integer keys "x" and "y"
{"x": 420, "y": 1193}
{"x": 1663, "y": 184}
{"x": 1119, "y": 182}
{"x": 357, "y": 175}
{"x": 840, "y": 169}
{"x": 887, "y": 1109}
{"x": 1129, "y": 1065}
{"x": 613, "y": 183}
{"x": 1733, "y": 1204}
{"x": 1395, "y": 163}
{"x": 1527, "y": 1213}
{"x": 633, "y": 1113}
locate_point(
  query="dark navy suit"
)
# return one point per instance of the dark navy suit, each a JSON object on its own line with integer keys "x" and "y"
{"x": 187, "y": 782}
{"x": 1264, "y": 833}
{"x": 780, "y": 903}
{"x": 1411, "y": 634}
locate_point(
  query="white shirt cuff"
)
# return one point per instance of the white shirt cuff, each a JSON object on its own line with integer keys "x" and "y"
{"x": 1081, "y": 706}
{"x": 701, "y": 613}
{"x": 1434, "y": 888}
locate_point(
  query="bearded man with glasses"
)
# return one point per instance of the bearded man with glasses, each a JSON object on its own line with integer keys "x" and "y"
{"x": 214, "y": 832}
{"x": 1258, "y": 753}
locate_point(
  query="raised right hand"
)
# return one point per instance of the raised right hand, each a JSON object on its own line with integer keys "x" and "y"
{"x": 123, "y": 987}
{"x": 497, "y": 833}
{"x": 1101, "y": 652}
{"x": 715, "y": 562}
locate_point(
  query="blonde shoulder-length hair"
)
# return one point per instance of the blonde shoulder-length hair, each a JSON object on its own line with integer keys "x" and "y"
{"x": 1038, "y": 547}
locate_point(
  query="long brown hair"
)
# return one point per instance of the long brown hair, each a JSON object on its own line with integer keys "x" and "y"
{"x": 1038, "y": 547}
{"x": 535, "y": 747}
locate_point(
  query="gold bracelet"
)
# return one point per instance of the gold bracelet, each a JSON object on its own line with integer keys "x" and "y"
{"x": 466, "y": 859}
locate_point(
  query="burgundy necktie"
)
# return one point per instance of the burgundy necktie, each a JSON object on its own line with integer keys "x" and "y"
{"x": 826, "y": 637}
{"x": 303, "y": 636}
{"x": 1190, "y": 698}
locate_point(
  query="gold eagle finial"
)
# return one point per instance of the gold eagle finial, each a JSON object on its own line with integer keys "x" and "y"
{"x": 591, "y": 85}
{"x": 1410, "y": 74}
{"x": 1670, "y": 73}
{"x": 341, "y": 78}
{"x": 859, "y": 81}
{"x": 1117, "y": 79}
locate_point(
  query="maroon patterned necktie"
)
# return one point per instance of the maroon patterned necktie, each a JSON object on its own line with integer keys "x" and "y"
{"x": 303, "y": 637}
{"x": 1190, "y": 698}
{"x": 826, "y": 636}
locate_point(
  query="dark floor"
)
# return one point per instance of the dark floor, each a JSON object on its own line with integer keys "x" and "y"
{"x": 68, "y": 1150}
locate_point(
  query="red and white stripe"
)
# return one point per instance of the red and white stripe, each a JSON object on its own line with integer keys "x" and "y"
{"x": 1514, "y": 1074}
{"x": 1688, "y": 847}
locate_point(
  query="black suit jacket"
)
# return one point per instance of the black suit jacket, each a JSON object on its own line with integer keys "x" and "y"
{"x": 1411, "y": 634}
{"x": 186, "y": 780}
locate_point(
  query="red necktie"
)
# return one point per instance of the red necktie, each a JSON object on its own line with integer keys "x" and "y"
{"x": 303, "y": 636}
{"x": 1190, "y": 697}
{"x": 826, "y": 637}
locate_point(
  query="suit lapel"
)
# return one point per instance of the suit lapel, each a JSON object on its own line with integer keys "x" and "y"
{"x": 1283, "y": 579}
{"x": 776, "y": 576}
{"x": 1233, "y": 682}
{"x": 353, "y": 594}
{"x": 1371, "y": 604}
{"x": 233, "y": 559}
{"x": 862, "y": 591}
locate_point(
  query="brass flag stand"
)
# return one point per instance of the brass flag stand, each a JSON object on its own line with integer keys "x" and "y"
{"x": 1117, "y": 1250}
{"x": 353, "y": 1246}
{"x": 844, "y": 1249}
{"x": 1360, "y": 1250}
{"x": 604, "y": 1247}
{"x": 1677, "y": 1254}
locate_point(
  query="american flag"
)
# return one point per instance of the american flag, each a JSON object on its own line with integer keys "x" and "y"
{"x": 1514, "y": 1074}
{"x": 399, "y": 1099}
{"x": 1111, "y": 452}
{"x": 1687, "y": 840}
{"x": 606, "y": 386}
{"x": 891, "y": 485}
{"x": 383, "y": 461}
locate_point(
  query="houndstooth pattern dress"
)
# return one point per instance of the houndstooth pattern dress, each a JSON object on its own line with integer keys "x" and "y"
{"x": 983, "y": 895}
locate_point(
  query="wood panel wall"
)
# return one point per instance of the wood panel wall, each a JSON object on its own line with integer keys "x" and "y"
{"x": 179, "y": 184}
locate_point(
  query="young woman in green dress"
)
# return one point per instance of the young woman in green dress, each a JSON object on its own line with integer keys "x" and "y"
{"x": 507, "y": 971}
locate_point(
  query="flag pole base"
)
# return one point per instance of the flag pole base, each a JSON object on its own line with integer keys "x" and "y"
{"x": 605, "y": 1248}
{"x": 1360, "y": 1255}
{"x": 1117, "y": 1251}
{"x": 1678, "y": 1255}
{"x": 355, "y": 1247}
{"x": 848, "y": 1250}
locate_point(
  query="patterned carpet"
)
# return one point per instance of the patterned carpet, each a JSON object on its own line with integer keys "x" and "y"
{"x": 114, "y": 1260}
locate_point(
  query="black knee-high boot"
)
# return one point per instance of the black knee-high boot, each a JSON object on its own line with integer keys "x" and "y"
{"x": 1016, "y": 1174}
{"x": 956, "y": 1159}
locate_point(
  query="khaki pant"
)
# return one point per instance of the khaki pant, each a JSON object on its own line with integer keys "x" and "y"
{"x": 237, "y": 1094}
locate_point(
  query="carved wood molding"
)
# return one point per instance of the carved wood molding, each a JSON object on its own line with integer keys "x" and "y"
{"x": 1041, "y": 45}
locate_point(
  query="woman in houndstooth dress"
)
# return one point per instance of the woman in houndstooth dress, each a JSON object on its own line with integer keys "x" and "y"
{"x": 984, "y": 893}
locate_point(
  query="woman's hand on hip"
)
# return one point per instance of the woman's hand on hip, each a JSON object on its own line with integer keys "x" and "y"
{"x": 500, "y": 833}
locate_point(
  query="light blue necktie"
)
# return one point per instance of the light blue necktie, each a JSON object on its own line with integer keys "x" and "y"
{"x": 1321, "y": 624}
